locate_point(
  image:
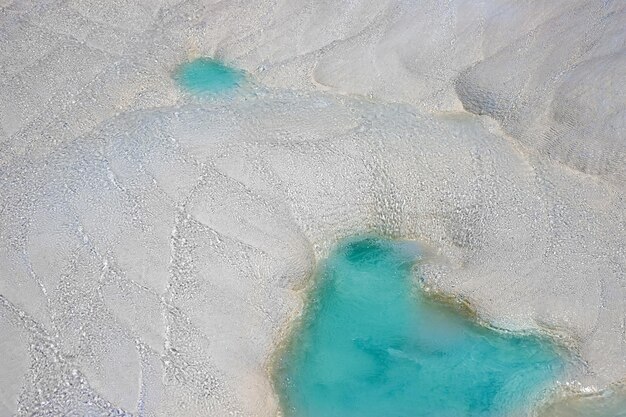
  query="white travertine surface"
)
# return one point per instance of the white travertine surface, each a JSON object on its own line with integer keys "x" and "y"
{"x": 153, "y": 246}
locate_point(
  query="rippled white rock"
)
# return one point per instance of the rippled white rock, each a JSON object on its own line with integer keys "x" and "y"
{"x": 152, "y": 246}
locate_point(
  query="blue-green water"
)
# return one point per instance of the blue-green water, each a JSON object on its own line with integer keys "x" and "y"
{"x": 372, "y": 344}
{"x": 208, "y": 76}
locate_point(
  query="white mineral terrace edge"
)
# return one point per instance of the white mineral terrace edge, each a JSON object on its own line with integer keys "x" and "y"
{"x": 154, "y": 246}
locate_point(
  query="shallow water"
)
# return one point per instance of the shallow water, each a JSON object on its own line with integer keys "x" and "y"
{"x": 208, "y": 76}
{"x": 371, "y": 344}
{"x": 610, "y": 402}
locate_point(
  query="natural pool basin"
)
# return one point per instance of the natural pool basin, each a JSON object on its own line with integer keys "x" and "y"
{"x": 208, "y": 76}
{"x": 371, "y": 343}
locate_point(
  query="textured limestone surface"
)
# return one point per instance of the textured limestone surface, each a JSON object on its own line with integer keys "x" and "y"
{"x": 153, "y": 245}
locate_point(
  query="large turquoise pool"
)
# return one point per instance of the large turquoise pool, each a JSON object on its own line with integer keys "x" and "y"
{"x": 371, "y": 343}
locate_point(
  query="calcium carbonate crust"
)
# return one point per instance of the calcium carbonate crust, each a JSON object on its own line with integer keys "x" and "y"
{"x": 153, "y": 245}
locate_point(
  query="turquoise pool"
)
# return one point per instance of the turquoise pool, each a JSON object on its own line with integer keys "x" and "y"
{"x": 208, "y": 76}
{"x": 372, "y": 344}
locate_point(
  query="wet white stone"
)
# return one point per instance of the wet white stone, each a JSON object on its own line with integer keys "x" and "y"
{"x": 153, "y": 246}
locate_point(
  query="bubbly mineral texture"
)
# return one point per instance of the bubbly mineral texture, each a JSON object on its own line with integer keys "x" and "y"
{"x": 153, "y": 244}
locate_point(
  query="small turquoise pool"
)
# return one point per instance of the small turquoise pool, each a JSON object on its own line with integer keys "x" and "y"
{"x": 208, "y": 76}
{"x": 371, "y": 344}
